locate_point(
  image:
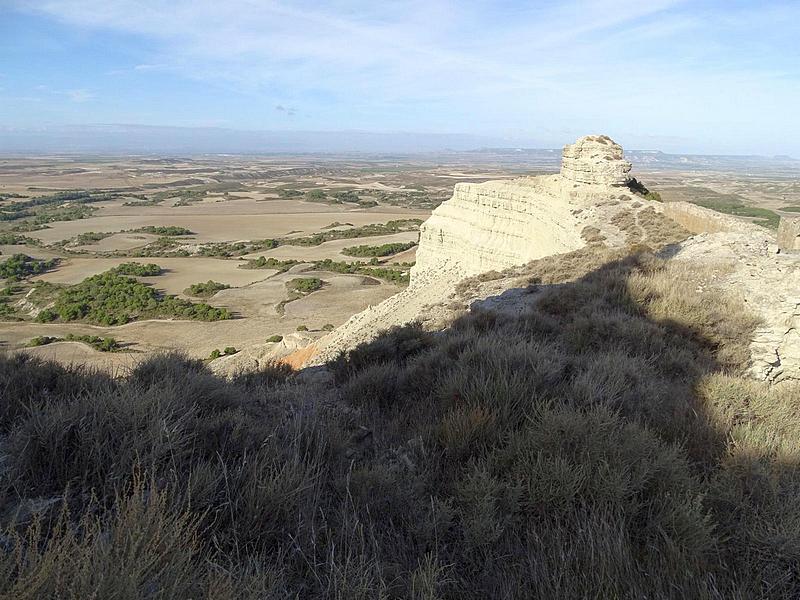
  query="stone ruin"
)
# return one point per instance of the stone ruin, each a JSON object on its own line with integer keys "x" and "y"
{"x": 595, "y": 160}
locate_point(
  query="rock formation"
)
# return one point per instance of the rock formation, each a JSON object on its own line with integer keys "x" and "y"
{"x": 497, "y": 224}
{"x": 704, "y": 220}
{"x": 596, "y": 160}
{"x": 789, "y": 234}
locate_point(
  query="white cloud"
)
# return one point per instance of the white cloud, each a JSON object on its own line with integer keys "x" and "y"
{"x": 79, "y": 95}
{"x": 149, "y": 67}
{"x": 391, "y": 51}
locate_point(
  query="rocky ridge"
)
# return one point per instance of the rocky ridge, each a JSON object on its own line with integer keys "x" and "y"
{"x": 486, "y": 232}
{"x": 748, "y": 265}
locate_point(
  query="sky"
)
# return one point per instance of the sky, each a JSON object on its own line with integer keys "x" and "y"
{"x": 702, "y": 76}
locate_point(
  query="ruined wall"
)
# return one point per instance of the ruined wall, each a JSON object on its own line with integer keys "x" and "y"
{"x": 704, "y": 220}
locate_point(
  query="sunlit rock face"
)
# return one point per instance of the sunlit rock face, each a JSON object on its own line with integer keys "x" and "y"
{"x": 498, "y": 224}
{"x": 596, "y": 160}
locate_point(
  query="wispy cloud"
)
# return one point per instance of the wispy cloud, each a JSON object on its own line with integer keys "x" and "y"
{"x": 390, "y": 52}
{"x": 149, "y": 67}
{"x": 501, "y": 67}
{"x": 79, "y": 95}
{"x": 286, "y": 109}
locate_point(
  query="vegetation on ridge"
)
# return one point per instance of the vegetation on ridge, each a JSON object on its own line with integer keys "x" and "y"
{"x": 382, "y": 250}
{"x": 103, "y": 344}
{"x": 137, "y": 269}
{"x": 207, "y": 289}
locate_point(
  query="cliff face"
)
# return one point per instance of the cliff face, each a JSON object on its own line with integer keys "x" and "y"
{"x": 497, "y": 224}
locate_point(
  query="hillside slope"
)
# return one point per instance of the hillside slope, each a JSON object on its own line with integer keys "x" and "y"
{"x": 603, "y": 442}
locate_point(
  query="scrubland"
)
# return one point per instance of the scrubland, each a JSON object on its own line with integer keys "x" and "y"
{"x": 199, "y": 220}
{"x": 603, "y": 444}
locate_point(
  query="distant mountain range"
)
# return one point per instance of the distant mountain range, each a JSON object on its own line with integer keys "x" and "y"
{"x": 142, "y": 139}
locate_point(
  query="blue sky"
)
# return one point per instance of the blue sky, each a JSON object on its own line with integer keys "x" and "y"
{"x": 692, "y": 76}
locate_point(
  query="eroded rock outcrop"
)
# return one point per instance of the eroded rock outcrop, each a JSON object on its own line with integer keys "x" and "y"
{"x": 789, "y": 234}
{"x": 497, "y": 224}
{"x": 747, "y": 264}
{"x": 595, "y": 159}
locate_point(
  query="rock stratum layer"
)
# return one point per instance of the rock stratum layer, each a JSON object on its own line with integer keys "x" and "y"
{"x": 496, "y": 224}
{"x": 596, "y": 160}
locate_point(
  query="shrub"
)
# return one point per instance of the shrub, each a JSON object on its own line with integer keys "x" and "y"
{"x": 137, "y": 269}
{"x": 207, "y": 289}
{"x": 107, "y": 344}
{"x": 328, "y": 327}
{"x": 215, "y": 353}
{"x": 316, "y": 196}
{"x": 21, "y": 266}
{"x": 167, "y": 230}
{"x": 273, "y": 339}
{"x": 382, "y": 250}
{"x": 262, "y": 262}
{"x": 300, "y": 328}
{"x": 46, "y": 315}
{"x": 387, "y": 228}
{"x": 90, "y": 237}
{"x": 111, "y": 299}
{"x": 304, "y": 285}
{"x": 347, "y": 196}
{"x": 397, "y": 276}
{"x": 42, "y": 340}
{"x": 600, "y": 444}
{"x": 229, "y": 351}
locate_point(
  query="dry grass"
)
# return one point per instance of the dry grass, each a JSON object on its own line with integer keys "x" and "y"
{"x": 592, "y": 235}
{"x": 603, "y": 444}
{"x": 660, "y": 231}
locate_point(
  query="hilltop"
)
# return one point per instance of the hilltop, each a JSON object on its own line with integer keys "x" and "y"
{"x": 490, "y": 230}
{"x": 586, "y": 423}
